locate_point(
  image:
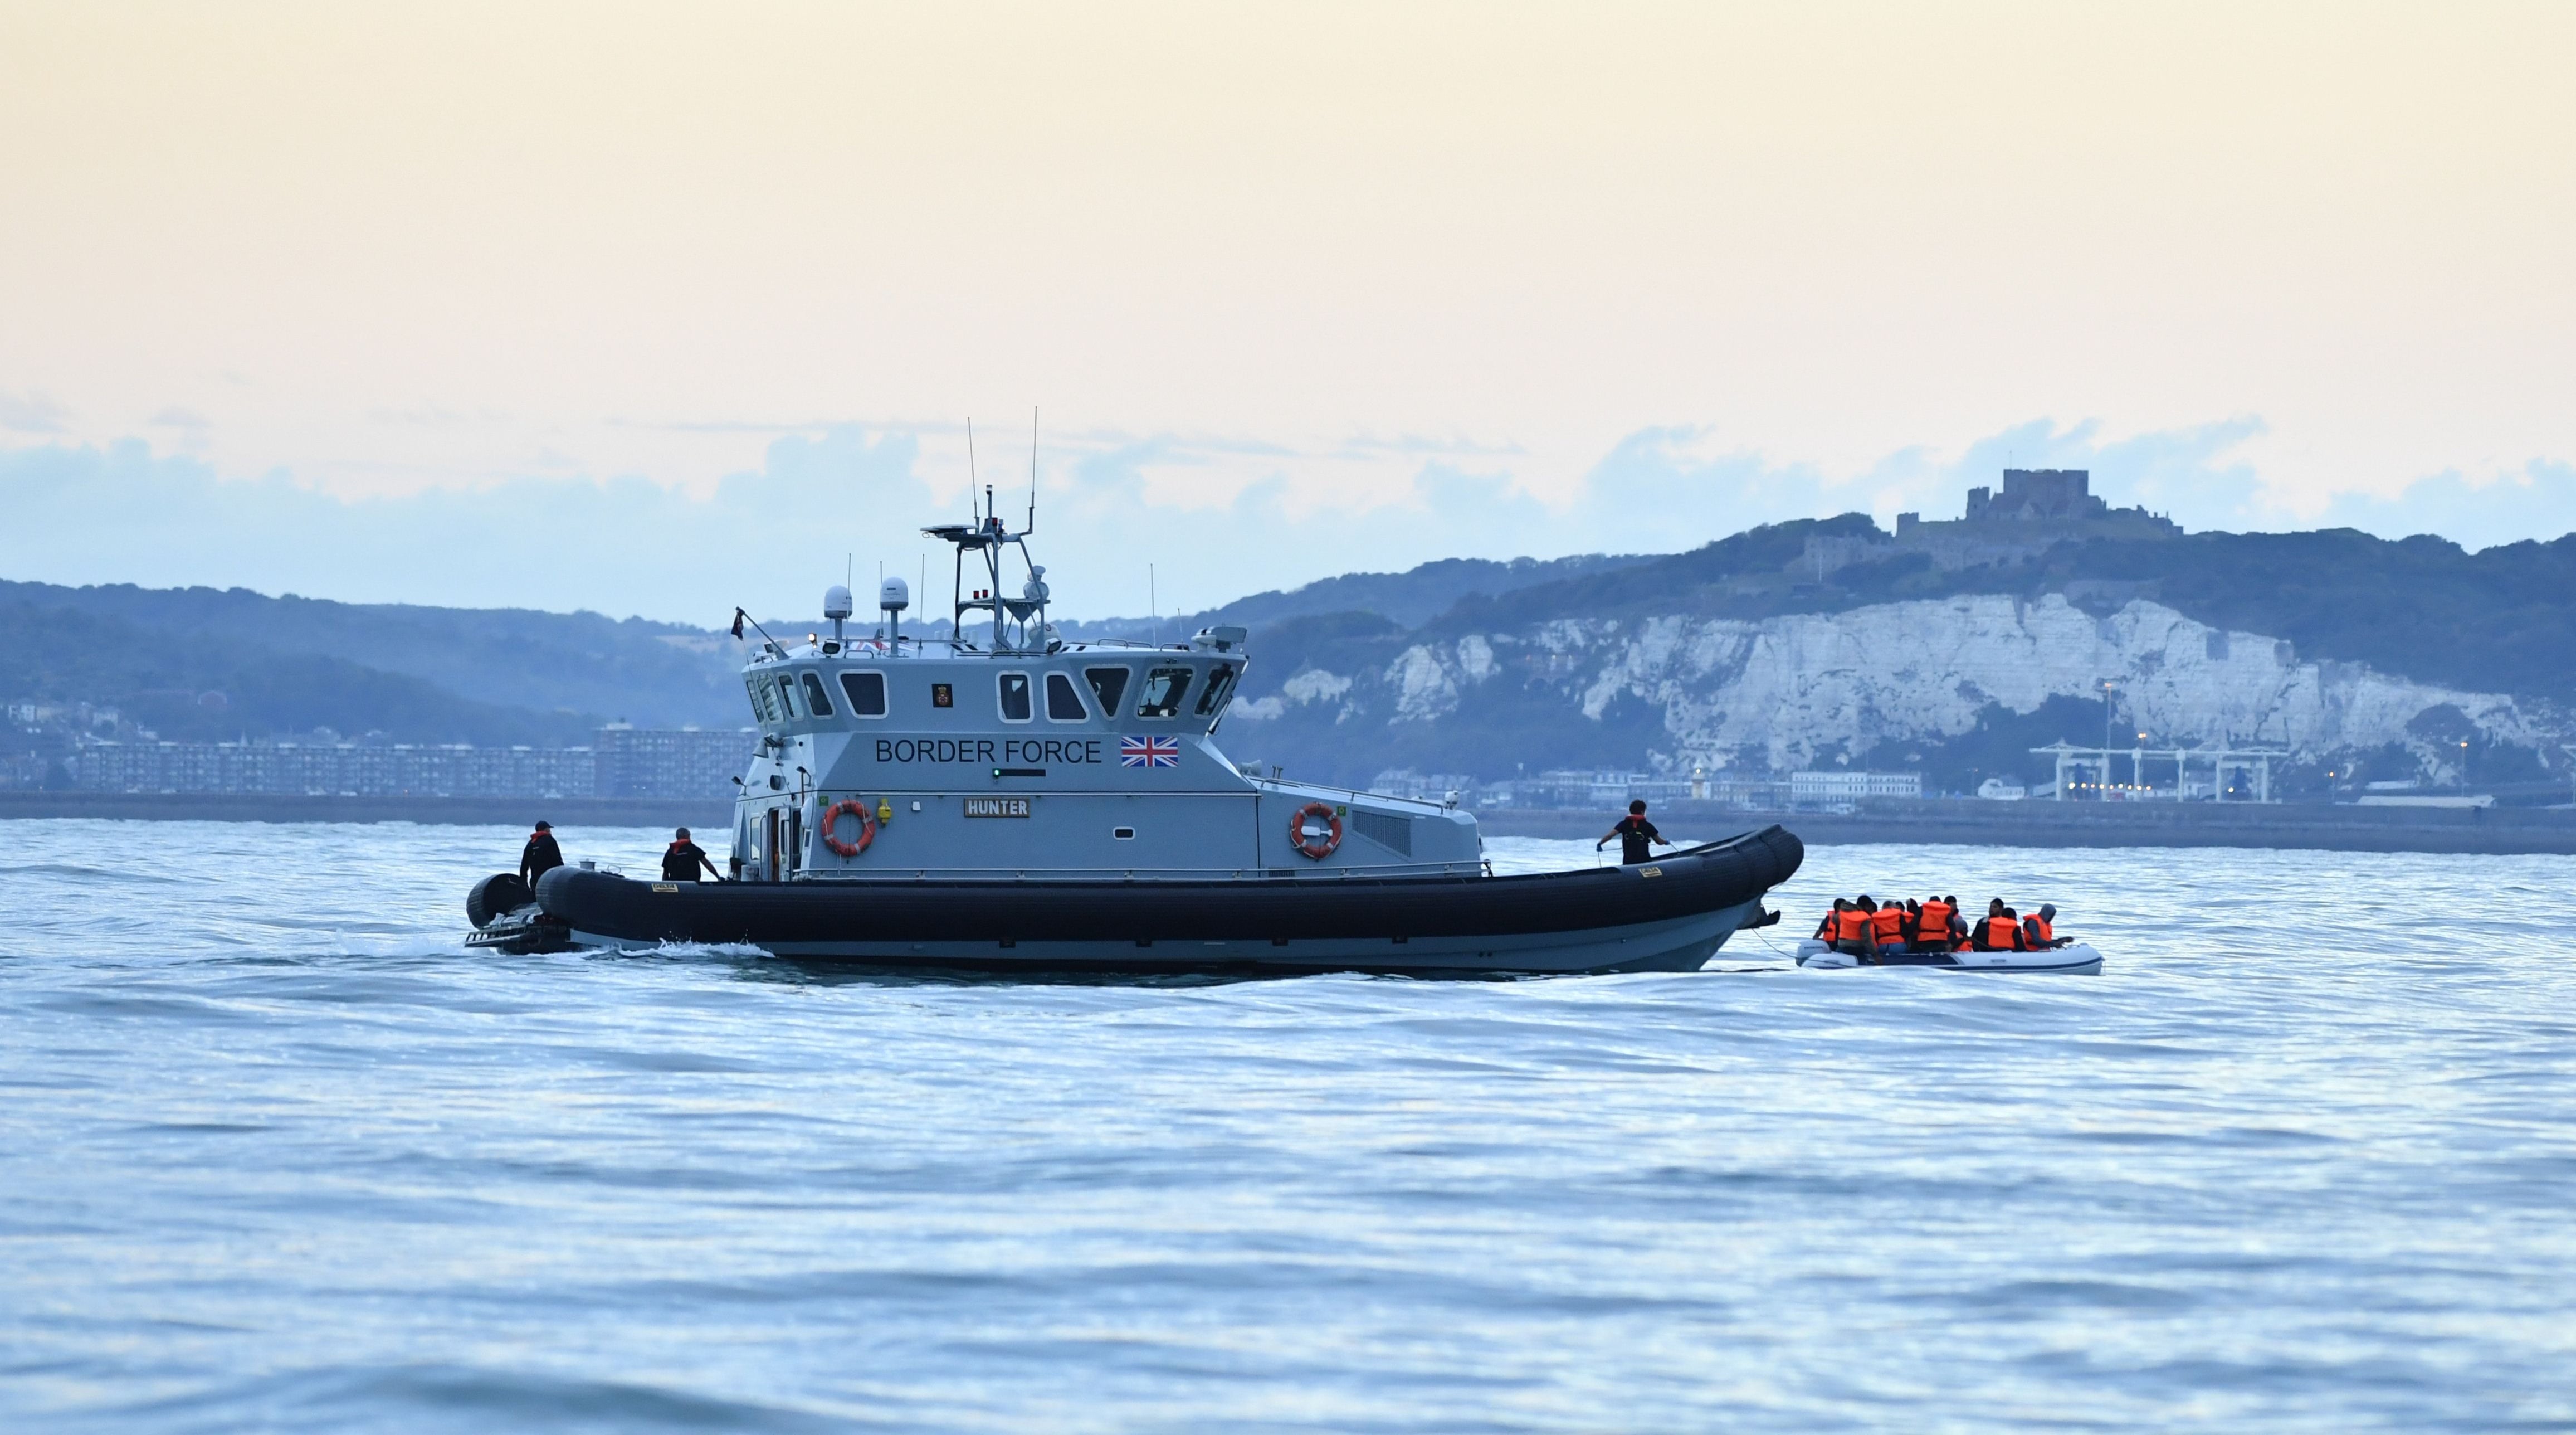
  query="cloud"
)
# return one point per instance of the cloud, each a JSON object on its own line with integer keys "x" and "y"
{"x": 30, "y": 412}
{"x": 1212, "y": 520}
{"x": 2539, "y": 501}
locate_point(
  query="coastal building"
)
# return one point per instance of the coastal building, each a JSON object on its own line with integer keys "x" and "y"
{"x": 314, "y": 769}
{"x": 1425, "y": 786}
{"x": 671, "y": 762}
{"x": 1828, "y": 789}
{"x": 624, "y": 762}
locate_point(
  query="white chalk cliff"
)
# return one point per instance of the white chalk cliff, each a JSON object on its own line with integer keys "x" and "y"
{"x": 1784, "y": 689}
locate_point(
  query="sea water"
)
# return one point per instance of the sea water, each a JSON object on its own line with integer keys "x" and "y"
{"x": 277, "y": 1152}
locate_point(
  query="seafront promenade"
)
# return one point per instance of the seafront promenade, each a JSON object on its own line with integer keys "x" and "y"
{"x": 712, "y": 813}
{"x": 1955, "y": 822}
{"x": 1967, "y": 822}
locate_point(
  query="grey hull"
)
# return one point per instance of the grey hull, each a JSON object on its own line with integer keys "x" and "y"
{"x": 1668, "y": 915}
{"x": 1675, "y": 945}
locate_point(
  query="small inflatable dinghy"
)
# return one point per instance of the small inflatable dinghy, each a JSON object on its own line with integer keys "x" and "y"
{"x": 2076, "y": 960}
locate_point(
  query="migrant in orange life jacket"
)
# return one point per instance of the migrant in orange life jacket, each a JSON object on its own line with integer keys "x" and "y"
{"x": 1851, "y": 925}
{"x": 2039, "y": 930}
{"x": 1934, "y": 930}
{"x": 2000, "y": 934}
{"x": 1887, "y": 924}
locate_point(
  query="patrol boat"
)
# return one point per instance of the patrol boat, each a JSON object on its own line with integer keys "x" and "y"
{"x": 999, "y": 799}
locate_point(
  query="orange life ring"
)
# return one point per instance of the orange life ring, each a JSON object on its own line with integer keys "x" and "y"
{"x": 849, "y": 806}
{"x": 1317, "y": 846}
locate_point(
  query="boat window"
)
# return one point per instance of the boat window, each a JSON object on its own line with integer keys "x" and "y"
{"x": 866, "y": 692}
{"x": 1064, "y": 700}
{"x": 1164, "y": 689}
{"x": 1015, "y": 697}
{"x": 815, "y": 702}
{"x": 1109, "y": 685}
{"x": 1220, "y": 683}
{"x": 787, "y": 697}
{"x": 763, "y": 706}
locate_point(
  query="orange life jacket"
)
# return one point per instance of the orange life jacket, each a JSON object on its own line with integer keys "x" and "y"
{"x": 1935, "y": 926}
{"x": 1852, "y": 925}
{"x": 2041, "y": 933}
{"x": 1888, "y": 924}
{"x": 2000, "y": 934}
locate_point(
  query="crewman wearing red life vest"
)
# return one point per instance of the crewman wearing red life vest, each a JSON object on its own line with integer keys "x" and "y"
{"x": 682, "y": 859}
{"x": 1932, "y": 929}
{"x": 540, "y": 856}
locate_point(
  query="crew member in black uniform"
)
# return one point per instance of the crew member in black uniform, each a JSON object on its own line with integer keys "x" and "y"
{"x": 682, "y": 859}
{"x": 540, "y": 856}
{"x": 1633, "y": 832}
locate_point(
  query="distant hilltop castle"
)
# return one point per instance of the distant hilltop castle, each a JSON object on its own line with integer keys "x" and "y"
{"x": 2038, "y": 508}
{"x": 2060, "y": 498}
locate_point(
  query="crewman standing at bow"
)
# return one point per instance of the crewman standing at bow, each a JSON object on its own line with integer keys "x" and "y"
{"x": 540, "y": 856}
{"x": 1634, "y": 832}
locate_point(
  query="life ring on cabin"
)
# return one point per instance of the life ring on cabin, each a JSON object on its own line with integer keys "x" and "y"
{"x": 1318, "y": 845}
{"x": 850, "y": 807}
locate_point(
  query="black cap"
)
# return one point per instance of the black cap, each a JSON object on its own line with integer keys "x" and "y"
{"x": 1638, "y": 807}
{"x": 545, "y": 827}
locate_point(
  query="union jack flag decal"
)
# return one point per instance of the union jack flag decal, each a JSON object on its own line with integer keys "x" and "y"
{"x": 1149, "y": 752}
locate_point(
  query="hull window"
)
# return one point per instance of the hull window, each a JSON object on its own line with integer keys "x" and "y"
{"x": 1164, "y": 689}
{"x": 1220, "y": 685}
{"x": 866, "y": 692}
{"x": 1064, "y": 700}
{"x": 1015, "y": 696}
{"x": 820, "y": 705}
{"x": 1109, "y": 685}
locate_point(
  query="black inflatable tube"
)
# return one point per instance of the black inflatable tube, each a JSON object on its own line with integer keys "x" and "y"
{"x": 1687, "y": 883}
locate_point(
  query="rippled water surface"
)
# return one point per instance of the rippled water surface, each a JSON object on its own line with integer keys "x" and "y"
{"x": 276, "y": 1152}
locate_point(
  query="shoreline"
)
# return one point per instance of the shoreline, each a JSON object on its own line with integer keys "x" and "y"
{"x": 715, "y": 814}
{"x": 1941, "y": 822}
{"x": 1970, "y": 823}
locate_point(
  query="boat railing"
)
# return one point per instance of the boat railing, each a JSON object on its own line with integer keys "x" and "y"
{"x": 1144, "y": 874}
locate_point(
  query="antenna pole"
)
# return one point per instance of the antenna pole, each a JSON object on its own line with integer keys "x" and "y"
{"x": 971, "y": 480}
{"x": 1033, "y": 468}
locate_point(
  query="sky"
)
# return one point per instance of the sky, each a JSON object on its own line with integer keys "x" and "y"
{"x": 657, "y": 309}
